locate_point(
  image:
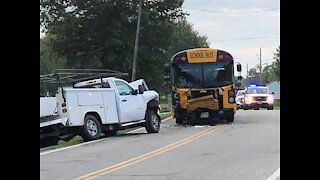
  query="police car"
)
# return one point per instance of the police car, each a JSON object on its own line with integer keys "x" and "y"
{"x": 258, "y": 96}
{"x": 239, "y": 98}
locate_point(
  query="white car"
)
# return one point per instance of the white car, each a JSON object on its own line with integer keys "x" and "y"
{"x": 257, "y": 97}
{"x": 239, "y": 98}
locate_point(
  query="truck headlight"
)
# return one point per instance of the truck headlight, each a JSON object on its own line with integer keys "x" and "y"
{"x": 270, "y": 99}
{"x": 249, "y": 99}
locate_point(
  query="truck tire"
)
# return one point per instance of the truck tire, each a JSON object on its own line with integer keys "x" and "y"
{"x": 230, "y": 118}
{"x": 91, "y": 130}
{"x": 270, "y": 108}
{"x": 152, "y": 121}
{"x": 51, "y": 141}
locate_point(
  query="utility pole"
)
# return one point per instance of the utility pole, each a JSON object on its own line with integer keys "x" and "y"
{"x": 260, "y": 67}
{"x": 247, "y": 71}
{"x": 135, "y": 55}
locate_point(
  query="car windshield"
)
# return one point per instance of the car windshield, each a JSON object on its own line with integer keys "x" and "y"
{"x": 258, "y": 90}
{"x": 240, "y": 93}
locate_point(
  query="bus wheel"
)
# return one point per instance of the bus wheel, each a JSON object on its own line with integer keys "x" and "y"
{"x": 91, "y": 130}
{"x": 230, "y": 118}
{"x": 179, "y": 120}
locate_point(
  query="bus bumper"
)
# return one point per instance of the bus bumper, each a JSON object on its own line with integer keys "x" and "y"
{"x": 202, "y": 114}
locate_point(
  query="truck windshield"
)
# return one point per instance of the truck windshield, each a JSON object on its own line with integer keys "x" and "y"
{"x": 258, "y": 90}
{"x": 204, "y": 75}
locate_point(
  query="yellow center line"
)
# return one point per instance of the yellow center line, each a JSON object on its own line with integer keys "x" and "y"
{"x": 146, "y": 156}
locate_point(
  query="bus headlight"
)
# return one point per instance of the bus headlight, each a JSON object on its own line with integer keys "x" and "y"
{"x": 176, "y": 95}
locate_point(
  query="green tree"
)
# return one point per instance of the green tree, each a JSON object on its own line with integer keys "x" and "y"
{"x": 253, "y": 75}
{"x": 101, "y": 34}
{"x": 276, "y": 64}
{"x": 268, "y": 74}
{"x": 49, "y": 58}
{"x": 49, "y": 61}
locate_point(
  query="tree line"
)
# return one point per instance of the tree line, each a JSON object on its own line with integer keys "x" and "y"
{"x": 100, "y": 34}
{"x": 269, "y": 72}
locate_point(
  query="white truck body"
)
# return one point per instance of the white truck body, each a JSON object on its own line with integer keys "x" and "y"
{"x": 48, "y": 106}
{"x": 116, "y": 104}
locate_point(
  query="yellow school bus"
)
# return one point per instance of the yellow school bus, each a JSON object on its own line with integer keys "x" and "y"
{"x": 202, "y": 83}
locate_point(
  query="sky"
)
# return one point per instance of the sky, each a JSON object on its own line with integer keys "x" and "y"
{"x": 240, "y": 27}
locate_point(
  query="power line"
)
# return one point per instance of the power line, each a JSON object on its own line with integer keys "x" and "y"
{"x": 241, "y": 39}
{"x": 212, "y": 11}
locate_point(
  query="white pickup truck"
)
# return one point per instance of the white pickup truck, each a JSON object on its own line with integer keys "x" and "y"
{"x": 96, "y": 106}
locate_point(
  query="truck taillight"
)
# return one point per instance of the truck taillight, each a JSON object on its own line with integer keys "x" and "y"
{"x": 64, "y": 110}
{"x": 63, "y": 104}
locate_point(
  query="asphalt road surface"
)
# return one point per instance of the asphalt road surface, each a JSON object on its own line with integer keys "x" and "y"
{"x": 247, "y": 149}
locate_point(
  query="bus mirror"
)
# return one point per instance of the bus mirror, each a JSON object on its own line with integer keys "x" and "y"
{"x": 238, "y": 84}
{"x": 166, "y": 78}
{"x": 239, "y": 68}
{"x": 167, "y": 67}
{"x": 239, "y": 78}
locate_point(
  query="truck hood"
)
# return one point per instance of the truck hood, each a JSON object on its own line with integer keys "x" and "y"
{"x": 135, "y": 84}
{"x": 259, "y": 95}
{"x": 149, "y": 95}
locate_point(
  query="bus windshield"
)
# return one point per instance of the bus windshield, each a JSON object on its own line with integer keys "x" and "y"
{"x": 203, "y": 75}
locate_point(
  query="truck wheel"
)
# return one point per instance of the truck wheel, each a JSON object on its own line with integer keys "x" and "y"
{"x": 91, "y": 129}
{"x": 270, "y": 108}
{"x": 152, "y": 121}
{"x": 230, "y": 118}
{"x": 51, "y": 141}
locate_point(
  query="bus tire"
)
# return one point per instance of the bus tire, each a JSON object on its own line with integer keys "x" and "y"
{"x": 230, "y": 118}
{"x": 152, "y": 121}
{"x": 91, "y": 130}
{"x": 179, "y": 120}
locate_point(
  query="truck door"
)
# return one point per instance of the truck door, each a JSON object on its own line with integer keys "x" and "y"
{"x": 132, "y": 107}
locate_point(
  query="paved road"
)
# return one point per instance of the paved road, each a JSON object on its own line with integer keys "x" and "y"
{"x": 247, "y": 149}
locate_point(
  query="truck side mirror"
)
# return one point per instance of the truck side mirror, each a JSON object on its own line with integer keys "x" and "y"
{"x": 239, "y": 68}
{"x": 141, "y": 89}
{"x": 135, "y": 92}
{"x": 166, "y": 67}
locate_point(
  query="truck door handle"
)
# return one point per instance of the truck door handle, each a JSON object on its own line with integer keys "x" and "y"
{"x": 124, "y": 100}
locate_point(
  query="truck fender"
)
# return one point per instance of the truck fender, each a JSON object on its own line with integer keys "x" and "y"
{"x": 153, "y": 104}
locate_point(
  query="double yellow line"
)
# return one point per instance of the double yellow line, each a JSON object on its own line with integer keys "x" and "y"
{"x": 145, "y": 156}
